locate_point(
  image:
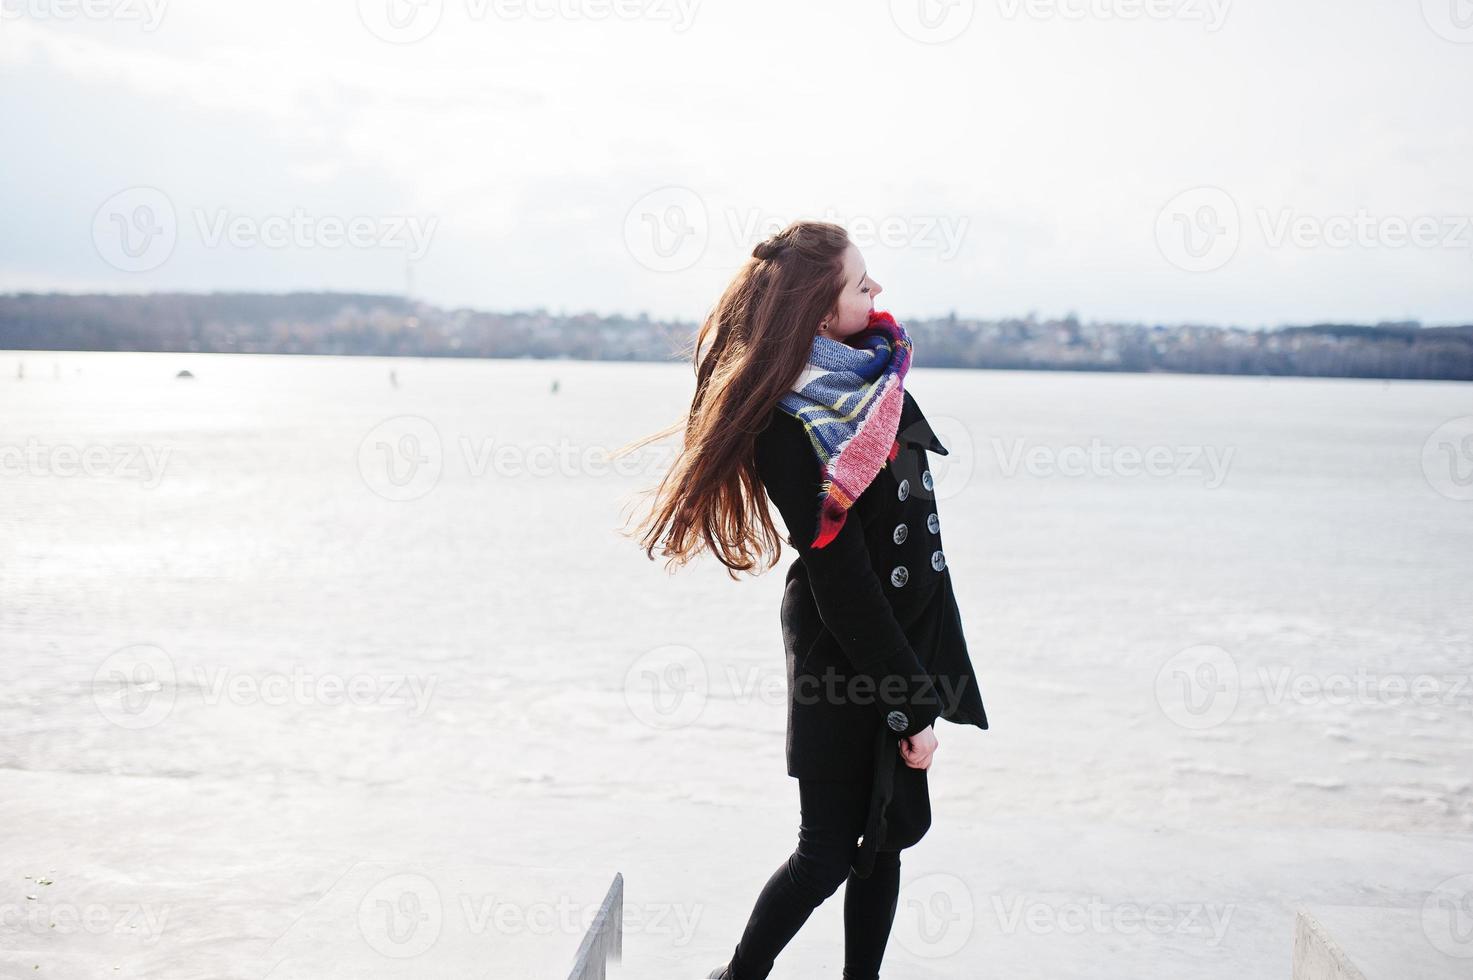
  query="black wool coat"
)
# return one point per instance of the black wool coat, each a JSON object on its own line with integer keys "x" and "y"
{"x": 870, "y": 624}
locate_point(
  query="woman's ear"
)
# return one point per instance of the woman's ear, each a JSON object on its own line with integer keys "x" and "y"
{"x": 827, "y": 323}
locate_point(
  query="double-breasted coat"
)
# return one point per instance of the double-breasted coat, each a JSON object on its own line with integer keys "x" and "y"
{"x": 873, "y": 637}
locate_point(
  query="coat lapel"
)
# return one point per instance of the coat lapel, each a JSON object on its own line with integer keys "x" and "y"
{"x": 915, "y": 430}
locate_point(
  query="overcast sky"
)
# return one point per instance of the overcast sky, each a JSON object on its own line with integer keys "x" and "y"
{"x": 1253, "y": 162}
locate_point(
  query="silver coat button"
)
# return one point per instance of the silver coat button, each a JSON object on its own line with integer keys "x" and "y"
{"x": 899, "y": 575}
{"x": 938, "y": 560}
{"x": 901, "y": 531}
{"x": 897, "y": 721}
{"x": 904, "y": 490}
{"x": 926, "y": 480}
{"x": 933, "y": 524}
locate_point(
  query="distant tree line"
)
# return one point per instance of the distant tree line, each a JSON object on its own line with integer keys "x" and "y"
{"x": 353, "y": 323}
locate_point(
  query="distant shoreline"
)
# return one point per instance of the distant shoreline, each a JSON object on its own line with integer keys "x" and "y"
{"x": 41, "y": 353}
{"x": 357, "y": 324}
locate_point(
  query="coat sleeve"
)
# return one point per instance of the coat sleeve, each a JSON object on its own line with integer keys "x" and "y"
{"x": 850, "y": 600}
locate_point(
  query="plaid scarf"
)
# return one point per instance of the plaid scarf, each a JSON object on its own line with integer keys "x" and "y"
{"x": 848, "y": 398}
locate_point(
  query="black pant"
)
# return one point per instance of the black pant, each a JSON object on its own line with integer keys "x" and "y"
{"x": 832, "y": 822}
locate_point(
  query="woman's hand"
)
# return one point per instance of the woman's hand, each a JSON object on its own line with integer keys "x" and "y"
{"x": 917, "y": 750}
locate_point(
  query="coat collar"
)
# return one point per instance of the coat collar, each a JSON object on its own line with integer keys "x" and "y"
{"x": 914, "y": 428}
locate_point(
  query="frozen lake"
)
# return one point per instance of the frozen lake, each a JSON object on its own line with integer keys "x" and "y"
{"x": 293, "y": 618}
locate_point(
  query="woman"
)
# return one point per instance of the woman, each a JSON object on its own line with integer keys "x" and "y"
{"x": 800, "y": 400}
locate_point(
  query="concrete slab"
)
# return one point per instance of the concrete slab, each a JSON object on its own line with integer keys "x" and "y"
{"x": 1346, "y": 942}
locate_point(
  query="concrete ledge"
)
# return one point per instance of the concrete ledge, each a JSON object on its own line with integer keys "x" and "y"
{"x": 1316, "y": 954}
{"x": 1351, "y": 942}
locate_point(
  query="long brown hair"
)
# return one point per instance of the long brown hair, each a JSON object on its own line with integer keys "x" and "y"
{"x": 760, "y": 334}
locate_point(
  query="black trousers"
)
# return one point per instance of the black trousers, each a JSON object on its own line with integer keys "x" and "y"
{"x": 833, "y": 815}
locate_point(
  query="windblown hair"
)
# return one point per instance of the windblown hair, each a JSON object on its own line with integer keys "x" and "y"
{"x": 760, "y": 334}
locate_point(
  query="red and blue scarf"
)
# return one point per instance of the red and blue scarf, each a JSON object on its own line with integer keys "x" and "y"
{"x": 849, "y": 397}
